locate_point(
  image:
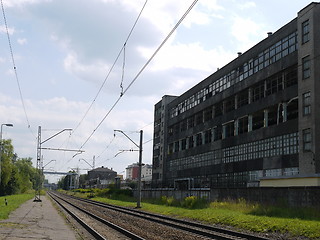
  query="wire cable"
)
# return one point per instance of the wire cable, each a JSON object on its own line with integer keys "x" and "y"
{"x": 106, "y": 147}
{"x": 141, "y": 70}
{"x": 14, "y": 66}
{"x": 123, "y": 66}
{"x": 110, "y": 70}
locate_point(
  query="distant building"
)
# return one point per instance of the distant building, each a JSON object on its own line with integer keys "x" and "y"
{"x": 101, "y": 176}
{"x": 254, "y": 122}
{"x": 120, "y": 176}
{"x": 132, "y": 172}
{"x": 146, "y": 172}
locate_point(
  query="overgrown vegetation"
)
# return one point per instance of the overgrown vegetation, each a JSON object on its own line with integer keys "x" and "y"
{"x": 111, "y": 193}
{"x": 291, "y": 222}
{"x": 13, "y": 202}
{"x": 191, "y": 202}
{"x": 17, "y": 174}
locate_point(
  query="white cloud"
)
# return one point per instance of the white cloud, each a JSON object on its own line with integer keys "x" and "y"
{"x": 247, "y": 5}
{"x": 3, "y": 29}
{"x": 183, "y": 56}
{"x": 247, "y": 32}
{"x": 196, "y": 17}
{"x": 21, "y": 3}
{"x": 22, "y": 41}
{"x": 164, "y": 14}
{"x": 90, "y": 72}
{"x": 211, "y": 5}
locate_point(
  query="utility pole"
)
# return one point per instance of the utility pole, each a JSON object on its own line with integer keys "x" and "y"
{"x": 140, "y": 170}
{"x": 38, "y": 168}
{"x": 39, "y": 159}
{"x": 139, "y": 164}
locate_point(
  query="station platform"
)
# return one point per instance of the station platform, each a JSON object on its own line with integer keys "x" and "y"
{"x": 36, "y": 220}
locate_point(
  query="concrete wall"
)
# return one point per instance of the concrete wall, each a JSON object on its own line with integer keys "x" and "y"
{"x": 293, "y": 196}
{"x": 291, "y": 182}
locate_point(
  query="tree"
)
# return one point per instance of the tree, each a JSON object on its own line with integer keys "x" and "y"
{"x": 82, "y": 180}
{"x": 7, "y": 157}
{"x": 27, "y": 173}
{"x": 64, "y": 182}
{"x": 17, "y": 175}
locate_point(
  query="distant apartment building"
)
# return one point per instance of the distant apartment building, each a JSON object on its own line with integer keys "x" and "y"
{"x": 132, "y": 172}
{"x": 254, "y": 122}
{"x": 146, "y": 172}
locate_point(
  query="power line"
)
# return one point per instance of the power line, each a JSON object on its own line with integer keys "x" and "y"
{"x": 14, "y": 66}
{"x": 147, "y": 125}
{"x": 123, "y": 65}
{"x": 148, "y": 141}
{"x": 106, "y": 147}
{"x": 141, "y": 70}
{"x": 110, "y": 70}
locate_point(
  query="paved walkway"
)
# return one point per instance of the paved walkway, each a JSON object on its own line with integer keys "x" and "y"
{"x": 36, "y": 220}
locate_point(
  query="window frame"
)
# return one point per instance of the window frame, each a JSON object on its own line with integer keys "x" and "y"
{"x": 306, "y": 67}
{"x": 305, "y": 32}
{"x": 307, "y": 140}
{"x": 306, "y": 103}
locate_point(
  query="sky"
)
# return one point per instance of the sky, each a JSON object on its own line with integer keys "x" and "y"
{"x": 81, "y": 65}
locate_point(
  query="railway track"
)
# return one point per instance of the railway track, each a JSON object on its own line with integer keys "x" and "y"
{"x": 74, "y": 210}
{"x": 150, "y": 226}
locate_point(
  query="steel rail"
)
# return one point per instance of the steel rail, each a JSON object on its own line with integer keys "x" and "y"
{"x": 218, "y": 233}
{"x": 109, "y": 224}
{"x": 93, "y": 232}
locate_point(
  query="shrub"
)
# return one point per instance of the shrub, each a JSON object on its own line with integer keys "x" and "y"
{"x": 169, "y": 201}
{"x": 193, "y": 202}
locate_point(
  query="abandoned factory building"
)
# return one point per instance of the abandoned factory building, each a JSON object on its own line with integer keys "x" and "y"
{"x": 254, "y": 122}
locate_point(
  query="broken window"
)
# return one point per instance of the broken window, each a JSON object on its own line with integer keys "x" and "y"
{"x": 257, "y": 120}
{"x": 207, "y": 136}
{"x": 243, "y": 125}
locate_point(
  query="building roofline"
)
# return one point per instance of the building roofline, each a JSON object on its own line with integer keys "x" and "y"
{"x": 312, "y": 3}
{"x": 221, "y": 71}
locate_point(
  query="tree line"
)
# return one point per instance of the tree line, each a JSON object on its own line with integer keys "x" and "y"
{"x": 17, "y": 174}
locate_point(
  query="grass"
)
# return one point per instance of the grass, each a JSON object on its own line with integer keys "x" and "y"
{"x": 292, "y": 222}
{"x": 14, "y": 201}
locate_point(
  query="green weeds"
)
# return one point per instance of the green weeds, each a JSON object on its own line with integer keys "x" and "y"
{"x": 13, "y": 202}
{"x": 291, "y": 222}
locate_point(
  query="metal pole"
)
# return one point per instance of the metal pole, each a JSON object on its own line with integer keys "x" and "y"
{"x": 40, "y": 163}
{"x": 140, "y": 170}
{"x": 38, "y": 168}
{"x": 140, "y": 164}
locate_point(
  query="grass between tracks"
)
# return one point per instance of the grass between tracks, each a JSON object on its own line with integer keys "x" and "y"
{"x": 240, "y": 214}
{"x": 13, "y": 202}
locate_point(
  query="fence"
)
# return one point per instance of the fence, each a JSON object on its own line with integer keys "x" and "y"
{"x": 289, "y": 196}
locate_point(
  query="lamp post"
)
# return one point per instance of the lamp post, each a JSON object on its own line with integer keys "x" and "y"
{"x": 7, "y": 125}
{"x": 140, "y": 163}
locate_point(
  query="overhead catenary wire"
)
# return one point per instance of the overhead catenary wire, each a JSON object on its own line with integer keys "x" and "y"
{"x": 141, "y": 70}
{"x": 14, "y": 66}
{"x": 123, "y": 66}
{"x": 111, "y": 69}
{"x": 106, "y": 147}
